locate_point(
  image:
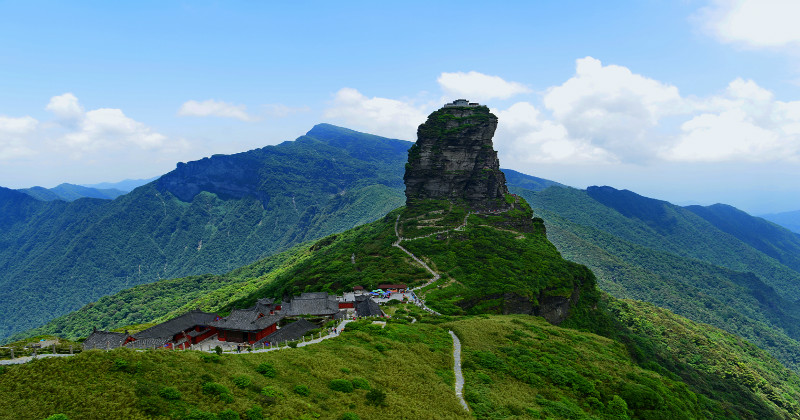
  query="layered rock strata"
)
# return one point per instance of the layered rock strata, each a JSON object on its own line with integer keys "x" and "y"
{"x": 454, "y": 159}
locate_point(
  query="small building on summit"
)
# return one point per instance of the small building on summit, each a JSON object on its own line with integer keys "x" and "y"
{"x": 315, "y": 304}
{"x": 461, "y": 102}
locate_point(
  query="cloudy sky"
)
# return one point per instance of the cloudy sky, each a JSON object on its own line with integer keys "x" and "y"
{"x": 688, "y": 101}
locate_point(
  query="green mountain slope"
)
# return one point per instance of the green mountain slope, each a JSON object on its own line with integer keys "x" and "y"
{"x": 209, "y": 216}
{"x": 774, "y": 241}
{"x": 636, "y": 258}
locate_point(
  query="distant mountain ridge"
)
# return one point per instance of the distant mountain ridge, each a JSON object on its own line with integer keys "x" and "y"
{"x": 71, "y": 192}
{"x": 790, "y": 219}
{"x": 126, "y": 185}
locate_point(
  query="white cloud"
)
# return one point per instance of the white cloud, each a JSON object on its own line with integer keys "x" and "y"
{"x": 745, "y": 123}
{"x": 65, "y": 107}
{"x": 106, "y": 127}
{"x": 212, "y": 108}
{"x": 13, "y": 133}
{"x": 608, "y": 114}
{"x": 524, "y": 136}
{"x": 476, "y": 86}
{"x": 381, "y": 116}
{"x": 753, "y": 23}
{"x": 613, "y": 107}
{"x": 77, "y": 133}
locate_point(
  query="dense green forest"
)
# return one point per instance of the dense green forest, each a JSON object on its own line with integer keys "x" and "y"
{"x": 653, "y": 251}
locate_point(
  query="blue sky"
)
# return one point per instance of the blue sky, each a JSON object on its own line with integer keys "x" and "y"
{"x": 689, "y": 101}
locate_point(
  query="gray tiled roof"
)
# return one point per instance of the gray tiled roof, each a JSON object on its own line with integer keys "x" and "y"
{"x": 246, "y": 320}
{"x": 317, "y": 303}
{"x": 291, "y": 332}
{"x": 365, "y": 306}
{"x": 176, "y": 325}
{"x": 149, "y": 343}
{"x": 104, "y": 340}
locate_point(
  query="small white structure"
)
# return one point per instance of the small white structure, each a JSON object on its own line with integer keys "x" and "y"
{"x": 460, "y": 103}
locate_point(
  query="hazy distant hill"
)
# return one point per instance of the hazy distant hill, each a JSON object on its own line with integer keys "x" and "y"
{"x": 126, "y": 185}
{"x": 790, "y": 219}
{"x": 71, "y": 192}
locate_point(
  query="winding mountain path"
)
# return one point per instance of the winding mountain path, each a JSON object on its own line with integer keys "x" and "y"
{"x": 457, "y": 371}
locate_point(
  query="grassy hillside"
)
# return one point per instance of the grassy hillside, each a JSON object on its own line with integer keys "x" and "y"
{"x": 515, "y": 367}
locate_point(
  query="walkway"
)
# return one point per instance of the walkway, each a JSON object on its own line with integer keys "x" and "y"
{"x": 205, "y": 347}
{"x": 26, "y": 359}
{"x": 457, "y": 371}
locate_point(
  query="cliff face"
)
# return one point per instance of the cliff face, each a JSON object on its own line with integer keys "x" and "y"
{"x": 454, "y": 159}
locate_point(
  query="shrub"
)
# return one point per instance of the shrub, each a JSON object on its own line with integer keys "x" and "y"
{"x": 341, "y": 385}
{"x": 267, "y": 370}
{"x": 242, "y": 381}
{"x": 254, "y": 413}
{"x": 617, "y": 408}
{"x": 380, "y": 347}
{"x": 119, "y": 364}
{"x": 270, "y": 395}
{"x": 360, "y": 383}
{"x": 58, "y": 417}
{"x": 302, "y": 390}
{"x": 196, "y": 414}
{"x": 376, "y": 397}
{"x": 150, "y": 405}
{"x": 228, "y": 415}
{"x": 213, "y": 388}
{"x": 210, "y": 358}
{"x": 293, "y": 344}
{"x": 218, "y": 350}
{"x": 350, "y": 416}
{"x": 169, "y": 393}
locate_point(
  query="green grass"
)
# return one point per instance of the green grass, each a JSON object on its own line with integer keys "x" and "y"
{"x": 515, "y": 367}
{"x": 173, "y": 384}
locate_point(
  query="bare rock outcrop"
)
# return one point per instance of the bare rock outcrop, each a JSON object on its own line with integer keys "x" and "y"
{"x": 454, "y": 159}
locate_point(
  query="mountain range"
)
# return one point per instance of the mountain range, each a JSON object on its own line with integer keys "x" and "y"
{"x": 207, "y": 216}
{"x": 489, "y": 252}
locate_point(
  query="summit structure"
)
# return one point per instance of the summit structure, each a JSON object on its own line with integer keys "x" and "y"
{"x": 454, "y": 159}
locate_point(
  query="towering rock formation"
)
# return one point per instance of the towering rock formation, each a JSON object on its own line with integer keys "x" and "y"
{"x": 454, "y": 159}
